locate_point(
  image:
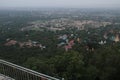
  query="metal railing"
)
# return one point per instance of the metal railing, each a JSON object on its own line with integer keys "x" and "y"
{"x": 20, "y": 73}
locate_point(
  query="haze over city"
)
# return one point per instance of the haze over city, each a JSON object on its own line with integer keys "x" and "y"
{"x": 61, "y": 3}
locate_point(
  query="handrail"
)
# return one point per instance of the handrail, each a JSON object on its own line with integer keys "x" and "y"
{"x": 27, "y": 70}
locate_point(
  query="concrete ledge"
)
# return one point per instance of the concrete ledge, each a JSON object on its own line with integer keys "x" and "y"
{"x": 3, "y": 77}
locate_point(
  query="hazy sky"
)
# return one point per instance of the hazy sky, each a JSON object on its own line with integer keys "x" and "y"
{"x": 61, "y": 3}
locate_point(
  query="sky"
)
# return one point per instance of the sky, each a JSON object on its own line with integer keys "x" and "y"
{"x": 61, "y": 3}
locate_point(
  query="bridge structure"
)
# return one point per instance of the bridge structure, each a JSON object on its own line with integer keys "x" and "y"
{"x": 10, "y": 71}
